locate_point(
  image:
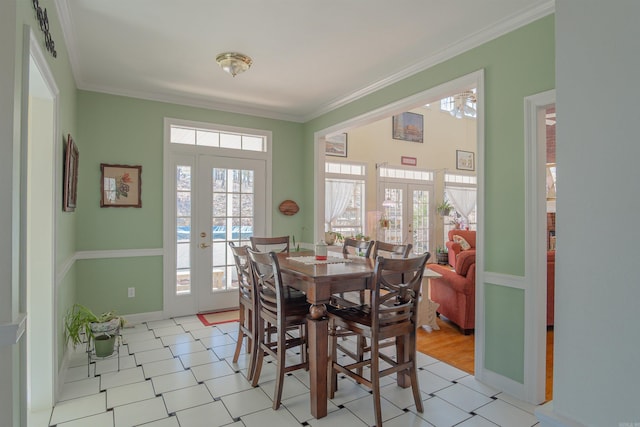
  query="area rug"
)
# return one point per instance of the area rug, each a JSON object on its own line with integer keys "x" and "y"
{"x": 209, "y": 319}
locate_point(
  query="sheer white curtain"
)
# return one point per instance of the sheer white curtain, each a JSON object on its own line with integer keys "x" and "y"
{"x": 463, "y": 200}
{"x": 337, "y": 195}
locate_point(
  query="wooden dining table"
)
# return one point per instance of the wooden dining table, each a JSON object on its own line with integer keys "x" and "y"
{"x": 319, "y": 282}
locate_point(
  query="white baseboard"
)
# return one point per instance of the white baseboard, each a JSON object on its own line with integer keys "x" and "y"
{"x": 150, "y": 316}
{"x": 549, "y": 418}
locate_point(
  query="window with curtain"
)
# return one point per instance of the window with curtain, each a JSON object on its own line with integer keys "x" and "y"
{"x": 461, "y": 192}
{"x": 344, "y": 198}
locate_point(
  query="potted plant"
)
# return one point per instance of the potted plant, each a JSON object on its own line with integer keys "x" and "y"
{"x": 82, "y": 324}
{"x": 442, "y": 255}
{"x": 444, "y": 208}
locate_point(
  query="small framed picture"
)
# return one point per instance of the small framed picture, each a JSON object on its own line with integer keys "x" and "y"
{"x": 465, "y": 160}
{"x": 70, "y": 189}
{"x": 336, "y": 145}
{"x": 408, "y": 127}
{"x": 409, "y": 161}
{"x": 120, "y": 186}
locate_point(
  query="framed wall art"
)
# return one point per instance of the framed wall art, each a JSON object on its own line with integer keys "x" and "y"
{"x": 408, "y": 127}
{"x": 120, "y": 186}
{"x": 336, "y": 145}
{"x": 465, "y": 160}
{"x": 70, "y": 180}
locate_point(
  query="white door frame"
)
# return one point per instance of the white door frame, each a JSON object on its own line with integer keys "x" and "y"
{"x": 38, "y": 281}
{"x": 174, "y": 305}
{"x": 535, "y": 330}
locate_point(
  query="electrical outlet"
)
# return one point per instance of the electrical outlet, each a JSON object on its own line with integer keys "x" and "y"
{"x": 132, "y": 292}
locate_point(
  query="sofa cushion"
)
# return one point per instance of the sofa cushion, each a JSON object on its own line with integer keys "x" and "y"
{"x": 464, "y": 245}
{"x": 465, "y": 260}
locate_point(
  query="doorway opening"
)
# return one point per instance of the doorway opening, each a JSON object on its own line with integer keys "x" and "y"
{"x": 540, "y": 237}
{"x": 388, "y": 197}
{"x": 40, "y": 176}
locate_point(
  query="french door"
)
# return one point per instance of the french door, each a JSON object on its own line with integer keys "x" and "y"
{"x": 406, "y": 206}
{"x": 218, "y": 200}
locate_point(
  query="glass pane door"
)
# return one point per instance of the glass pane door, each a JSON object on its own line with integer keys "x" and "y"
{"x": 406, "y": 207}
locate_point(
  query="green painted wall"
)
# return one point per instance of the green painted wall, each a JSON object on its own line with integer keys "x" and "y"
{"x": 121, "y": 130}
{"x": 504, "y": 323}
{"x": 102, "y": 284}
{"x": 516, "y": 65}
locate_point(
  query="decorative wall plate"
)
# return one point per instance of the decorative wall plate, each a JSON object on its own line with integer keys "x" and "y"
{"x": 289, "y": 207}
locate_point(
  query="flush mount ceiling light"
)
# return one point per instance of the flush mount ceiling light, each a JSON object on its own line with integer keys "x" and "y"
{"x": 234, "y": 62}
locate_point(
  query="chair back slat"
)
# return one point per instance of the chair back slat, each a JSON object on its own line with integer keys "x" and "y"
{"x": 270, "y": 244}
{"x": 391, "y": 250}
{"x": 357, "y": 247}
{"x": 245, "y": 282}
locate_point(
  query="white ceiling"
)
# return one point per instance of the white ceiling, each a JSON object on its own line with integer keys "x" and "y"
{"x": 309, "y": 56}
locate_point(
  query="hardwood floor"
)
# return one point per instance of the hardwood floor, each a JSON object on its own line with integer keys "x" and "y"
{"x": 451, "y": 346}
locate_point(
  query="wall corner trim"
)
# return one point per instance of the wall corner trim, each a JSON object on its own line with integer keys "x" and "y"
{"x": 10, "y": 333}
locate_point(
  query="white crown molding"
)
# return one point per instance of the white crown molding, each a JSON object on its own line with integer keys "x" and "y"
{"x": 479, "y": 38}
{"x": 64, "y": 15}
{"x": 483, "y": 36}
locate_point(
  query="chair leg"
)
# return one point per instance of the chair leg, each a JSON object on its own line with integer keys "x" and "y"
{"x": 259, "y": 353}
{"x": 241, "y": 335}
{"x": 361, "y": 343}
{"x": 414, "y": 375}
{"x": 282, "y": 350}
{"x": 333, "y": 356}
{"x": 375, "y": 381}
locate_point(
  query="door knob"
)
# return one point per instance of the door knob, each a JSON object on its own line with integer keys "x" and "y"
{"x": 204, "y": 245}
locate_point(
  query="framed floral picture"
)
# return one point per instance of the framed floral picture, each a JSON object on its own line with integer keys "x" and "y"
{"x": 70, "y": 182}
{"x": 120, "y": 186}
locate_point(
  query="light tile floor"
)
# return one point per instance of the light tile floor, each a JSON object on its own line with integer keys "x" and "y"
{"x": 179, "y": 373}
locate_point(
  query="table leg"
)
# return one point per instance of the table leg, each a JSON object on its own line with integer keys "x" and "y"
{"x": 318, "y": 332}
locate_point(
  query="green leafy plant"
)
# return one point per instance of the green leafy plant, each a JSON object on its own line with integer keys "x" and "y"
{"x": 78, "y": 320}
{"x": 442, "y": 250}
{"x": 444, "y": 208}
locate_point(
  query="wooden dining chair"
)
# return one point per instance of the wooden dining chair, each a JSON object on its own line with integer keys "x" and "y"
{"x": 245, "y": 305}
{"x": 392, "y": 314}
{"x": 283, "y": 310}
{"x": 268, "y": 244}
{"x": 391, "y": 250}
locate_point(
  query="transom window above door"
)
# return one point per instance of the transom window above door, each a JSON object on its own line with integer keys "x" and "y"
{"x": 215, "y": 138}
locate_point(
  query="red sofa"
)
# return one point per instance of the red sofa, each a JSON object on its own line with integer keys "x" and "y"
{"x": 455, "y": 291}
{"x": 455, "y": 248}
